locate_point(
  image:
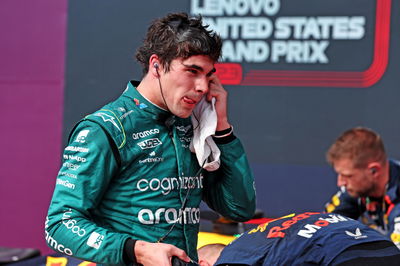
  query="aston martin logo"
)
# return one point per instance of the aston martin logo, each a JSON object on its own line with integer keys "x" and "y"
{"x": 108, "y": 118}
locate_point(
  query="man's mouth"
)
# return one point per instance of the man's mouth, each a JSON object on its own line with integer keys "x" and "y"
{"x": 189, "y": 100}
{"x": 351, "y": 192}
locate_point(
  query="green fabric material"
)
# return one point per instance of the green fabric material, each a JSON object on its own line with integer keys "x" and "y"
{"x": 125, "y": 174}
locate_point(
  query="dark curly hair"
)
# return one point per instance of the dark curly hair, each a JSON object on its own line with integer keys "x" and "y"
{"x": 178, "y": 36}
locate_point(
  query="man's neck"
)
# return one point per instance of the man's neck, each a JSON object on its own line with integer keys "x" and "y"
{"x": 149, "y": 89}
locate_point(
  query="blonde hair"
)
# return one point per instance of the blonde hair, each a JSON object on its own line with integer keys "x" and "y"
{"x": 360, "y": 145}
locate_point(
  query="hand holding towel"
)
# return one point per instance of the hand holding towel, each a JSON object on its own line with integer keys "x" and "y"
{"x": 204, "y": 120}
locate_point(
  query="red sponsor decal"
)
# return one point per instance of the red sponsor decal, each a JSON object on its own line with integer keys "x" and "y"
{"x": 277, "y": 231}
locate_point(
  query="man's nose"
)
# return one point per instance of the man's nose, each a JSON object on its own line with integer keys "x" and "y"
{"x": 202, "y": 85}
{"x": 341, "y": 181}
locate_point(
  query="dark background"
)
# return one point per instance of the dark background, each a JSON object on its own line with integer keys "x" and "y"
{"x": 62, "y": 60}
{"x": 285, "y": 130}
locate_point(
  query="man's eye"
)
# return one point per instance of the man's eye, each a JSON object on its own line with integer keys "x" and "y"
{"x": 194, "y": 71}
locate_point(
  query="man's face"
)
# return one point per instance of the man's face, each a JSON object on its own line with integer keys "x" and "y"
{"x": 359, "y": 182}
{"x": 186, "y": 82}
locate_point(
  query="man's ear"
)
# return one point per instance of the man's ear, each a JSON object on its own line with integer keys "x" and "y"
{"x": 154, "y": 65}
{"x": 375, "y": 168}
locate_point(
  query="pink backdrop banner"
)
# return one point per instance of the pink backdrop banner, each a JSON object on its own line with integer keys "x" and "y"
{"x": 32, "y": 59}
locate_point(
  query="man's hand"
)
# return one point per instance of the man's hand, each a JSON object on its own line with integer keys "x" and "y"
{"x": 157, "y": 253}
{"x": 221, "y": 96}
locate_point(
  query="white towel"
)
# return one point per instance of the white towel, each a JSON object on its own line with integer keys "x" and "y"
{"x": 204, "y": 120}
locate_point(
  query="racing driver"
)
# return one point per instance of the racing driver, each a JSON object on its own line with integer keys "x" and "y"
{"x": 129, "y": 188}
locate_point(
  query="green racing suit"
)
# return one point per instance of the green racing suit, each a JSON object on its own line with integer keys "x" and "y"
{"x": 126, "y": 172}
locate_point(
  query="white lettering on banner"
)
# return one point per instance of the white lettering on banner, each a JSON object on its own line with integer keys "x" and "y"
{"x": 145, "y": 133}
{"x": 78, "y": 149}
{"x": 74, "y": 158}
{"x": 65, "y": 183}
{"x": 59, "y": 247}
{"x": 95, "y": 240}
{"x": 337, "y": 28}
{"x": 310, "y": 229}
{"x": 299, "y": 52}
{"x": 167, "y": 184}
{"x": 235, "y": 7}
{"x": 185, "y": 216}
{"x": 252, "y": 31}
{"x": 251, "y": 51}
{"x": 241, "y": 28}
{"x": 71, "y": 224}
